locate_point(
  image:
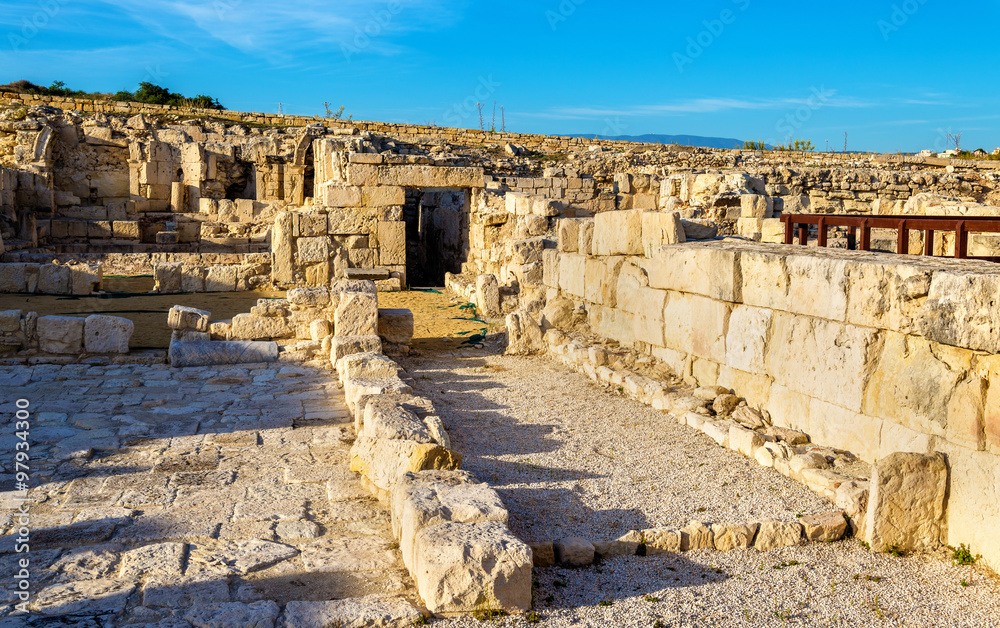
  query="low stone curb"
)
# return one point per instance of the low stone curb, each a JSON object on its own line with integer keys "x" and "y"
{"x": 762, "y": 536}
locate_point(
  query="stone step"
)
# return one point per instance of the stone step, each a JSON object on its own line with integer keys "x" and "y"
{"x": 374, "y": 274}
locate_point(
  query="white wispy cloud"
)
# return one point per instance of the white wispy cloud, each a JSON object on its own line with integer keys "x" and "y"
{"x": 276, "y": 29}
{"x": 820, "y": 98}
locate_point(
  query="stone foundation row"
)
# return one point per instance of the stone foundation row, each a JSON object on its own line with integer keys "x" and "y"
{"x": 75, "y": 336}
{"x": 762, "y": 536}
{"x": 878, "y": 511}
{"x": 452, "y": 530}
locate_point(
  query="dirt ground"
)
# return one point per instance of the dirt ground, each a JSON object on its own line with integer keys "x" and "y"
{"x": 441, "y": 322}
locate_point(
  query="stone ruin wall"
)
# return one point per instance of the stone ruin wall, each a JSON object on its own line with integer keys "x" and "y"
{"x": 872, "y": 354}
{"x": 896, "y": 355}
{"x": 97, "y": 182}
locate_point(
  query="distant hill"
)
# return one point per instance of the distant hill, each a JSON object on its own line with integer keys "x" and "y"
{"x": 683, "y": 140}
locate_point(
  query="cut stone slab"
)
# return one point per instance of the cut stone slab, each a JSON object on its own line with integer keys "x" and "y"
{"x": 659, "y": 540}
{"x": 461, "y": 566}
{"x": 60, "y": 334}
{"x": 351, "y": 554}
{"x": 696, "y": 535}
{"x": 384, "y": 418}
{"x": 214, "y": 353}
{"x": 185, "y": 591}
{"x": 372, "y": 611}
{"x": 106, "y": 334}
{"x": 84, "y": 597}
{"x": 718, "y": 431}
{"x": 574, "y": 551}
{"x": 342, "y": 346}
{"x": 824, "y": 526}
{"x": 239, "y": 556}
{"x": 370, "y": 274}
{"x": 774, "y": 534}
{"x": 160, "y": 559}
{"x": 356, "y": 315}
{"x": 289, "y": 530}
{"x": 906, "y": 501}
{"x": 733, "y": 536}
{"x": 427, "y": 504}
{"x": 234, "y": 615}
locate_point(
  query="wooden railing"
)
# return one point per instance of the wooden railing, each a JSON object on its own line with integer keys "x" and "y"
{"x": 961, "y": 226}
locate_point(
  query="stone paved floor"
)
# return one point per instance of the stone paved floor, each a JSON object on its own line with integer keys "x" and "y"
{"x": 192, "y": 496}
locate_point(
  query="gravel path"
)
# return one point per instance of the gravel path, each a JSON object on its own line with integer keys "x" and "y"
{"x": 570, "y": 458}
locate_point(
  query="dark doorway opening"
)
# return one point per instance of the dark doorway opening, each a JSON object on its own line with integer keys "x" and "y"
{"x": 309, "y": 174}
{"x": 436, "y": 234}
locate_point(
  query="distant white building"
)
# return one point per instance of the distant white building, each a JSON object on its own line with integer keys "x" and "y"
{"x": 951, "y": 152}
{"x": 925, "y": 153}
{"x": 996, "y": 151}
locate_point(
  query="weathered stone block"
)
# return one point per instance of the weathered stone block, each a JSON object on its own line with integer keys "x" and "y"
{"x": 960, "y": 311}
{"x": 348, "y": 345}
{"x": 821, "y": 359}
{"x": 733, "y": 536}
{"x": 696, "y": 535}
{"x": 906, "y": 502}
{"x": 659, "y": 229}
{"x": 824, "y": 526}
{"x": 250, "y": 327}
{"x": 574, "y": 552}
{"x": 756, "y": 206}
{"x": 313, "y": 250}
{"x": 395, "y": 325}
{"x": 54, "y": 279}
{"x": 572, "y": 274}
{"x": 569, "y": 235}
{"x": 425, "y": 504}
{"x": 460, "y": 566}
{"x": 524, "y": 335}
{"x": 168, "y": 277}
{"x": 356, "y": 315}
{"x": 341, "y": 196}
{"x": 184, "y": 317}
{"x": 85, "y": 278}
{"x": 775, "y": 534}
{"x": 309, "y": 297}
{"x": 618, "y": 233}
{"x": 107, "y": 334}
{"x": 912, "y": 384}
{"x": 392, "y": 243}
{"x": 488, "y": 295}
{"x": 12, "y": 278}
{"x": 60, "y": 334}
{"x": 648, "y": 307}
{"x": 749, "y": 329}
{"x": 383, "y": 196}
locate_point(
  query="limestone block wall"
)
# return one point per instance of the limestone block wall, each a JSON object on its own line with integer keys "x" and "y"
{"x": 311, "y": 248}
{"x": 865, "y": 352}
{"x": 411, "y": 131}
{"x": 27, "y": 334}
{"x": 57, "y": 279}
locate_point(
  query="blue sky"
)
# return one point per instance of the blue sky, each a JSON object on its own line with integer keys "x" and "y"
{"x": 896, "y": 76}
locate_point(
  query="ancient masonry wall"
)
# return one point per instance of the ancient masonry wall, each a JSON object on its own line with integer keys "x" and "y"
{"x": 529, "y": 141}
{"x": 870, "y": 353}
